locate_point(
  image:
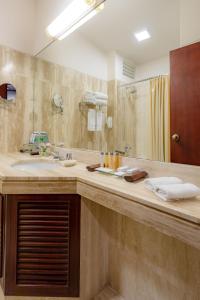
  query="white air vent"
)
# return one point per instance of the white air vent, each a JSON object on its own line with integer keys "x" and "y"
{"x": 128, "y": 70}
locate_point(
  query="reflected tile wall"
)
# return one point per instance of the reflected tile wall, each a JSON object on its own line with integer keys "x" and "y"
{"x": 37, "y": 79}
{"x": 70, "y": 126}
{"x": 16, "y": 118}
{"x": 130, "y": 121}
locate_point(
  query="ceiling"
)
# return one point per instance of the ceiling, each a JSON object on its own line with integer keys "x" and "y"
{"x": 113, "y": 29}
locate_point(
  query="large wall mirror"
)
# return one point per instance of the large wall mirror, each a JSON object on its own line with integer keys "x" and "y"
{"x": 113, "y": 75}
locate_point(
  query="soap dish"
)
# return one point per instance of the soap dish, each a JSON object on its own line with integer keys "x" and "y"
{"x": 68, "y": 163}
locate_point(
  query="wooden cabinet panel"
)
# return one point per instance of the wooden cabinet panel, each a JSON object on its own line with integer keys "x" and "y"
{"x": 42, "y": 245}
{"x": 1, "y": 233}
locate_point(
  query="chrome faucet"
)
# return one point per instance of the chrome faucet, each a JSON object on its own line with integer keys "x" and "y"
{"x": 125, "y": 152}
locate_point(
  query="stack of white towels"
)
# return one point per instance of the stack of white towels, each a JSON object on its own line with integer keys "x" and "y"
{"x": 172, "y": 188}
{"x": 95, "y": 120}
{"x": 96, "y": 98}
{"x": 96, "y": 117}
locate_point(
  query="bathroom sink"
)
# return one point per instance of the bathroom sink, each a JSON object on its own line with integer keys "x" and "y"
{"x": 30, "y": 165}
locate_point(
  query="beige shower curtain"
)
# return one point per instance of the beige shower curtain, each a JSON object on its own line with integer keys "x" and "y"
{"x": 159, "y": 129}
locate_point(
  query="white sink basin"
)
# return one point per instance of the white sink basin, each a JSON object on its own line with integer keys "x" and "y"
{"x": 28, "y": 165}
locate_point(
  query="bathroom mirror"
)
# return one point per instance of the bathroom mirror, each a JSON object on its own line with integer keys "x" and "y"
{"x": 7, "y": 92}
{"x": 123, "y": 54}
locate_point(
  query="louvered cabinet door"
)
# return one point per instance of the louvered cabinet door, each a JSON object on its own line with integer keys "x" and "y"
{"x": 42, "y": 245}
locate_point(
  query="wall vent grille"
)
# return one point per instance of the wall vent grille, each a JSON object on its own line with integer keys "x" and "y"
{"x": 128, "y": 70}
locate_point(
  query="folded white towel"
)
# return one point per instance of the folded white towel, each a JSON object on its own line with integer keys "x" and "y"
{"x": 177, "y": 191}
{"x": 89, "y": 99}
{"x": 99, "y": 120}
{"x": 91, "y": 120}
{"x": 102, "y": 96}
{"x": 89, "y": 94}
{"x": 101, "y": 102}
{"x": 152, "y": 183}
{"x": 96, "y": 95}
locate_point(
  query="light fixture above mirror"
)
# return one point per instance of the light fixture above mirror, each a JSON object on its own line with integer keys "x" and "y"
{"x": 77, "y": 13}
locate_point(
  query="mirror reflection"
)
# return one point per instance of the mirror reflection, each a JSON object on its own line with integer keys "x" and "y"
{"x": 7, "y": 92}
{"x": 117, "y": 73}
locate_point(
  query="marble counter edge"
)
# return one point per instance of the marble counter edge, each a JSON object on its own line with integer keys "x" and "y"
{"x": 51, "y": 185}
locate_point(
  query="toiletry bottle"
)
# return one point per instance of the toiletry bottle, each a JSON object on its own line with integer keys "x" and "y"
{"x": 106, "y": 162}
{"x": 118, "y": 161}
{"x": 110, "y": 160}
{"x": 115, "y": 161}
{"x": 102, "y": 159}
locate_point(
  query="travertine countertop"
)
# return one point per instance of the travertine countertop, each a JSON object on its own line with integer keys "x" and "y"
{"x": 188, "y": 210}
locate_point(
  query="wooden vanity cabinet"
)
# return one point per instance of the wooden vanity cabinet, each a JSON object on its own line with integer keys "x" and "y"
{"x": 1, "y": 234}
{"x": 41, "y": 245}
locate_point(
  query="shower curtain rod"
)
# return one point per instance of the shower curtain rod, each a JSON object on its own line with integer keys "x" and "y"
{"x": 142, "y": 80}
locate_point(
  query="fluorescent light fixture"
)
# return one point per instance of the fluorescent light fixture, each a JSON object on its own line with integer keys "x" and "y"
{"x": 78, "y": 24}
{"x": 77, "y": 13}
{"x": 142, "y": 35}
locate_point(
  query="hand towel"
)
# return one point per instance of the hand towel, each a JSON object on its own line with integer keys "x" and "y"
{"x": 178, "y": 191}
{"x": 152, "y": 183}
{"x": 91, "y": 120}
{"x": 99, "y": 122}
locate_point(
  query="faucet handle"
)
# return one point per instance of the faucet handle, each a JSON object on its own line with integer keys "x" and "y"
{"x": 55, "y": 154}
{"x": 120, "y": 152}
{"x": 69, "y": 156}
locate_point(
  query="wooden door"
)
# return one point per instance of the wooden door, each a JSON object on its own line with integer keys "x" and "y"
{"x": 42, "y": 245}
{"x": 3, "y": 91}
{"x": 185, "y": 104}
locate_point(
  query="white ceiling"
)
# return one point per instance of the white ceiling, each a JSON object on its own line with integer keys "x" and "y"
{"x": 113, "y": 29}
{"x": 17, "y": 24}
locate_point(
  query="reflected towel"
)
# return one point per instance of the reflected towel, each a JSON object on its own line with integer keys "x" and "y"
{"x": 91, "y": 120}
{"x": 101, "y": 96}
{"x": 96, "y": 96}
{"x": 101, "y": 102}
{"x": 152, "y": 183}
{"x": 169, "y": 192}
{"x": 99, "y": 121}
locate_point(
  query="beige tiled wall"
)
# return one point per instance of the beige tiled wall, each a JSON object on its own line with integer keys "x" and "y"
{"x": 16, "y": 119}
{"x": 142, "y": 119}
{"x": 130, "y": 118}
{"x": 145, "y": 264}
{"x": 37, "y": 79}
{"x": 128, "y": 111}
{"x": 70, "y": 126}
